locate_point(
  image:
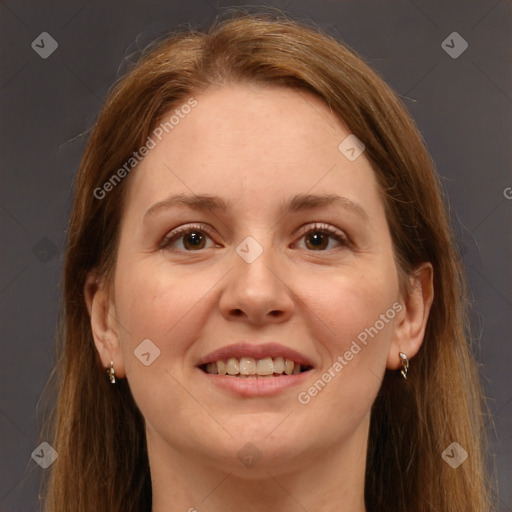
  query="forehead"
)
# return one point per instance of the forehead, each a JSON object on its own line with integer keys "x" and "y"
{"x": 251, "y": 143}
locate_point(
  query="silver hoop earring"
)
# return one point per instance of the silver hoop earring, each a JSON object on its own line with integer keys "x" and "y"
{"x": 111, "y": 373}
{"x": 405, "y": 365}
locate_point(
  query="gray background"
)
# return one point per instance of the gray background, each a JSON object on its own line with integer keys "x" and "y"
{"x": 462, "y": 107}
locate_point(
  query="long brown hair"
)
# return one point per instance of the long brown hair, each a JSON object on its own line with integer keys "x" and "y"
{"x": 98, "y": 430}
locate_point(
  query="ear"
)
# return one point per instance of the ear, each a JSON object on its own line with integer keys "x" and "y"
{"x": 104, "y": 324}
{"x": 412, "y": 319}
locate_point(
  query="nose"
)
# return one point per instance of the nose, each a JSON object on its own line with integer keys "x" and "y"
{"x": 257, "y": 292}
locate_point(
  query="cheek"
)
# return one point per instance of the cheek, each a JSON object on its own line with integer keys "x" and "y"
{"x": 155, "y": 302}
{"x": 356, "y": 313}
{"x": 152, "y": 303}
{"x": 171, "y": 309}
{"x": 345, "y": 305}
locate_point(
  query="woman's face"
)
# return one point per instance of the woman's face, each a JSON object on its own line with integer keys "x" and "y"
{"x": 271, "y": 268}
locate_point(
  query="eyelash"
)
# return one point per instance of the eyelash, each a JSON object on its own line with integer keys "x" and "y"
{"x": 315, "y": 228}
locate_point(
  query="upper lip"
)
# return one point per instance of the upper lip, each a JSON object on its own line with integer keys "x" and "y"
{"x": 255, "y": 350}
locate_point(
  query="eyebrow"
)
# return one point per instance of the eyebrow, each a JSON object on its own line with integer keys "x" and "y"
{"x": 298, "y": 203}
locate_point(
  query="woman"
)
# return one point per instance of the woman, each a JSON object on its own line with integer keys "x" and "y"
{"x": 260, "y": 259}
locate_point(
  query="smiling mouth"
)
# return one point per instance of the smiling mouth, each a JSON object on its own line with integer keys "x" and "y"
{"x": 248, "y": 367}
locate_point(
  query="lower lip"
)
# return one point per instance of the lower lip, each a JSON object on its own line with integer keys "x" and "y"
{"x": 255, "y": 386}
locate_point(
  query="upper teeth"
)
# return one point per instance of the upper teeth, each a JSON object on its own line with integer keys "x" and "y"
{"x": 251, "y": 366}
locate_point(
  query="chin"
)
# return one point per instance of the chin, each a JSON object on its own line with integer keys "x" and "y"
{"x": 259, "y": 441}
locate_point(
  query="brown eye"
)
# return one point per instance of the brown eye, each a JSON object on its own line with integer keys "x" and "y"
{"x": 186, "y": 239}
{"x": 317, "y": 240}
{"x": 319, "y": 237}
{"x": 194, "y": 240}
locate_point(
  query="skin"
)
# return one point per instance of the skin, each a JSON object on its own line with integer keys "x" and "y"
{"x": 255, "y": 147}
